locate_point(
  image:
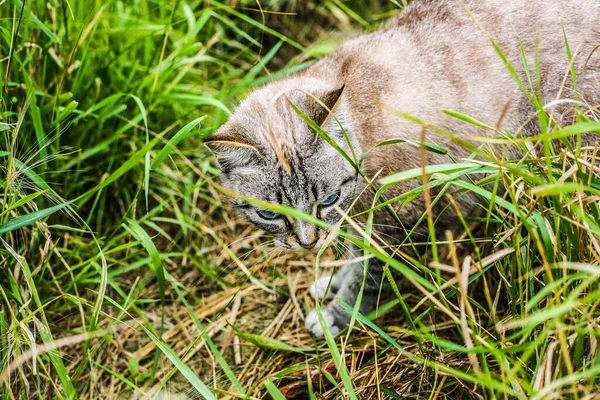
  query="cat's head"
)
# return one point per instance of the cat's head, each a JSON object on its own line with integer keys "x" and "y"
{"x": 266, "y": 151}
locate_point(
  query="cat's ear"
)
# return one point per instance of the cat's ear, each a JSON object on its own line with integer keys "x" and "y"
{"x": 231, "y": 148}
{"x": 320, "y": 111}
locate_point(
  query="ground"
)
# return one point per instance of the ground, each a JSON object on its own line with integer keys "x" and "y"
{"x": 125, "y": 274}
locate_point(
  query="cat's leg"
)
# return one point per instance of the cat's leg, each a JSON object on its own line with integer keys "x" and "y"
{"x": 335, "y": 316}
{"x": 327, "y": 286}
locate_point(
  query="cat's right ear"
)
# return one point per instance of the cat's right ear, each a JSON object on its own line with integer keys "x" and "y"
{"x": 231, "y": 148}
{"x": 320, "y": 111}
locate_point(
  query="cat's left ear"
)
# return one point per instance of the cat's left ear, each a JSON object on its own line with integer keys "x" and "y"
{"x": 322, "y": 107}
{"x": 232, "y": 148}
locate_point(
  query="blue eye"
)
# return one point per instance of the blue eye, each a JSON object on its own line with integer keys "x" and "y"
{"x": 268, "y": 215}
{"x": 331, "y": 199}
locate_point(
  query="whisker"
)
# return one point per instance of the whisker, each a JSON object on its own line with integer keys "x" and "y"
{"x": 245, "y": 255}
{"x": 241, "y": 239}
{"x": 260, "y": 246}
{"x": 255, "y": 236}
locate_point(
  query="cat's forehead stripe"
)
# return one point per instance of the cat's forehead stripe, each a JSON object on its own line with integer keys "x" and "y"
{"x": 279, "y": 126}
{"x": 284, "y": 135}
{"x": 295, "y": 188}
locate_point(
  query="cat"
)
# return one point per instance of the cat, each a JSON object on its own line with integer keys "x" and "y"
{"x": 433, "y": 55}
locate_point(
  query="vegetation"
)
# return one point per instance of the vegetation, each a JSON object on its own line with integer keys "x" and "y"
{"x": 123, "y": 273}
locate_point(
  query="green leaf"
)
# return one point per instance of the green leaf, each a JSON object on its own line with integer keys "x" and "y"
{"x": 191, "y": 377}
{"x": 324, "y": 135}
{"x": 380, "y": 331}
{"x": 430, "y": 169}
{"x": 31, "y": 218}
{"x": 553, "y": 189}
{"x": 340, "y": 363}
{"x": 43, "y": 328}
{"x": 144, "y": 113}
{"x": 30, "y": 15}
{"x": 571, "y": 130}
{"x": 172, "y": 143}
{"x": 390, "y": 392}
{"x": 141, "y": 235}
{"x": 466, "y": 119}
{"x": 432, "y": 147}
{"x": 252, "y": 21}
{"x": 213, "y": 348}
{"x": 186, "y": 98}
{"x": 24, "y": 200}
{"x": 273, "y": 391}
{"x": 125, "y": 167}
{"x": 267, "y": 343}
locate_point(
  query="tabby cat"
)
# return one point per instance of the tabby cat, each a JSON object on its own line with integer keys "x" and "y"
{"x": 434, "y": 55}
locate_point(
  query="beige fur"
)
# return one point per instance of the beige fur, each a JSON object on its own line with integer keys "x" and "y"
{"x": 434, "y": 55}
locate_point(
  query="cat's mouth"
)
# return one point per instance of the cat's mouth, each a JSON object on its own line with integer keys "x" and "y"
{"x": 294, "y": 244}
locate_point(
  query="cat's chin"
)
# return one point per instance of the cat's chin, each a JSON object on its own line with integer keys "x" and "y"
{"x": 299, "y": 249}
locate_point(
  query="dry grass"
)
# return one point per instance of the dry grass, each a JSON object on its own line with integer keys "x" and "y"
{"x": 274, "y": 307}
{"x": 148, "y": 285}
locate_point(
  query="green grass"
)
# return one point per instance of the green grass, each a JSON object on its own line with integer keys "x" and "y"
{"x": 123, "y": 272}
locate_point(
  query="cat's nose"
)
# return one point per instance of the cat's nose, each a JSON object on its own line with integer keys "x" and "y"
{"x": 308, "y": 246}
{"x": 306, "y": 234}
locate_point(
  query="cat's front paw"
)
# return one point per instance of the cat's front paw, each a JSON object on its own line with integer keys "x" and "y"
{"x": 319, "y": 289}
{"x": 312, "y": 322}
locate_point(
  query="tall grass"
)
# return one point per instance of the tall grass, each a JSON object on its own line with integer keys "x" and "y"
{"x": 103, "y": 177}
{"x": 123, "y": 275}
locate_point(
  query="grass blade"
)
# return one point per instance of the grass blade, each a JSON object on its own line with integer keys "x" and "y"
{"x": 32, "y": 218}
{"x": 191, "y": 377}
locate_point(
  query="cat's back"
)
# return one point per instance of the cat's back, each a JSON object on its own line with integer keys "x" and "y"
{"x": 469, "y": 34}
{"x": 524, "y": 18}
{"x": 462, "y": 31}
{"x": 439, "y": 54}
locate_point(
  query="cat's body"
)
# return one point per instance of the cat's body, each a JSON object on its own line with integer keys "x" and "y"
{"x": 433, "y": 56}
